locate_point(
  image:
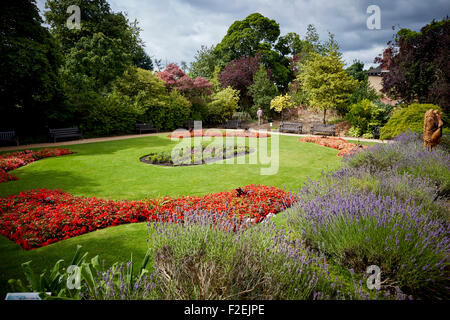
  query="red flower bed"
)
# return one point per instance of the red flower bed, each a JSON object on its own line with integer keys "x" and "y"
{"x": 39, "y": 217}
{"x": 11, "y": 161}
{"x": 345, "y": 147}
{"x": 206, "y": 133}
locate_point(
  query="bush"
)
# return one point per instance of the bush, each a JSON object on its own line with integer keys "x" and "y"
{"x": 224, "y": 103}
{"x": 117, "y": 114}
{"x": 366, "y": 115}
{"x": 409, "y": 117}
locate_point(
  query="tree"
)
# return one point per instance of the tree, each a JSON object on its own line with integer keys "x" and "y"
{"x": 30, "y": 93}
{"x": 96, "y": 17}
{"x": 356, "y": 70}
{"x": 239, "y": 74}
{"x": 222, "y": 106}
{"x": 418, "y": 64}
{"x": 326, "y": 83}
{"x": 204, "y": 63}
{"x": 245, "y": 38}
{"x": 281, "y": 103}
{"x": 263, "y": 90}
{"x": 174, "y": 77}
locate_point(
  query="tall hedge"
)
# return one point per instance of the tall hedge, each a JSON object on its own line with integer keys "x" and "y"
{"x": 409, "y": 117}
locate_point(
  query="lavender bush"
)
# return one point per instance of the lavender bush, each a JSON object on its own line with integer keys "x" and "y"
{"x": 203, "y": 258}
{"x": 387, "y": 206}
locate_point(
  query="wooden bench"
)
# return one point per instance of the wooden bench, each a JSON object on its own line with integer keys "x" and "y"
{"x": 189, "y": 124}
{"x": 327, "y": 129}
{"x": 145, "y": 127}
{"x": 65, "y": 133}
{"x": 291, "y": 127}
{"x": 232, "y": 124}
{"x": 9, "y": 136}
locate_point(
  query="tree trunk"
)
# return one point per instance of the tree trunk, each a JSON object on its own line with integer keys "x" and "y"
{"x": 324, "y": 116}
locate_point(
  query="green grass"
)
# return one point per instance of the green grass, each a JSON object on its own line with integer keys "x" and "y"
{"x": 112, "y": 170}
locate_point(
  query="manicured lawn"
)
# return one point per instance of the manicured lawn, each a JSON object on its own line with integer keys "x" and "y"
{"x": 113, "y": 170}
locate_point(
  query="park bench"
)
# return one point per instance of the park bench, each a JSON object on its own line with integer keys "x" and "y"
{"x": 9, "y": 136}
{"x": 232, "y": 124}
{"x": 291, "y": 127}
{"x": 327, "y": 129}
{"x": 145, "y": 127}
{"x": 189, "y": 124}
{"x": 65, "y": 133}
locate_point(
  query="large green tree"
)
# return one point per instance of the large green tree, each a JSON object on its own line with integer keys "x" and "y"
{"x": 29, "y": 84}
{"x": 263, "y": 90}
{"x": 96, "y": 17}
{"x": 326, "y": 83}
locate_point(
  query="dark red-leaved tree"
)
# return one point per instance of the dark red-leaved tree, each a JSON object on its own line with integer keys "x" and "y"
{"x": 175, "y": 78}
{"x": 238, "y": 74}
{"x": 419, "y": 65}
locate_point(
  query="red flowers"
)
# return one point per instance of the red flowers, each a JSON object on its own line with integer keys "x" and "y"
{"x": 39, "y": 217}
{"x": 206, "y": 133}
{"x": 11, "y": 161}
{"x": 335, "y": 143}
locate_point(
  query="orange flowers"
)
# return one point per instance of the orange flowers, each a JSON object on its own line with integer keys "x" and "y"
{"x": 344, "y": 147}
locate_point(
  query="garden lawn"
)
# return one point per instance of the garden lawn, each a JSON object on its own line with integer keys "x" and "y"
{"x": 112, "y": 170}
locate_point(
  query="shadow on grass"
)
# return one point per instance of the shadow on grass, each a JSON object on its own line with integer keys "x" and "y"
{"x": 48, "y": 179}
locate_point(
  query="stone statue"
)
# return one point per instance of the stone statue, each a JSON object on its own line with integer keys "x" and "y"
{"x": 432, "y": 129}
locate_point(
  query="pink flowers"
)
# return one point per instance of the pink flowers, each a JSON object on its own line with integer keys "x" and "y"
{"x": 39, "y": 217}
{"x": 11, "y": 161}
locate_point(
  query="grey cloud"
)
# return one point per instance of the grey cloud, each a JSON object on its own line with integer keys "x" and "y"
{"x": 175, "y": 29}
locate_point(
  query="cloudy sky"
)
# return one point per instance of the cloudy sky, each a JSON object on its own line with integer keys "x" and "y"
{"x": 174, "y": 30}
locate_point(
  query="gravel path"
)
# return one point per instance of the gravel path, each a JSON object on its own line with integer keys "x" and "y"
{"x": 82, "y": 141}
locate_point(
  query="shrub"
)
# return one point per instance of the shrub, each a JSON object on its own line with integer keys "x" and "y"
{"x": 204, "y": 259}
{"x": 116, "y": 115}
{"x": 366, "y": 115}
{"x": 410, "y": 117}
{"x": 224, "y": 103}
{"x": 357, "y": 230}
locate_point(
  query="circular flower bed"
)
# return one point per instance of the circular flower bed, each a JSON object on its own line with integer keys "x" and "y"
{"x": 195, "y": 156}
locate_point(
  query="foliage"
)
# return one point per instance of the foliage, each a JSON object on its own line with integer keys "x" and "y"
{"x": 222, "y": 106}
{"x": 418, "y": 65}
{"x": 326, "y": 83}
{"x": 281, "y": 103}
{"x": 204, "y": 63}
{"x": 245, "y": 38}
{"x": 263, "y": 90}
{"x": 175, "y": 78}
{"x": 366, "y": 115}
{"x": 96, "y": 17}
{"x": 404, "y": 118}
{"x": 256, "y": 35}
{"x": 356, "y": 70}
{"x": 239, "y": 74}
{"x": 30, "y": 90}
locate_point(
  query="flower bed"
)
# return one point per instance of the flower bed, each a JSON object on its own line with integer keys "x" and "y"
{"x": 195, "y": 156}
{"x": 39, "y": 217}
{"x": 210, "y": 133}
{"x": 11, "y": 161}
{"x": 344, "y": 147}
